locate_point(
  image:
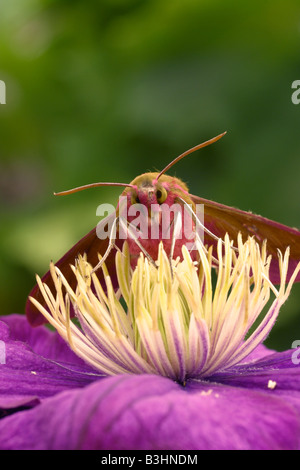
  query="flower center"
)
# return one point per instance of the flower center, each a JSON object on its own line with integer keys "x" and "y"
{"x": 173, "y": 320}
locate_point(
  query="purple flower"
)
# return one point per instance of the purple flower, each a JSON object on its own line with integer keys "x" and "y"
{"x": 236, "y": 395}
{"x": 49, "y": 400}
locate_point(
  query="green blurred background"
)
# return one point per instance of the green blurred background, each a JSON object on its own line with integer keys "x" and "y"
{"x": 106, "y": 90}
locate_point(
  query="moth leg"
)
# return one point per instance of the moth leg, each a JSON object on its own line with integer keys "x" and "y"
{"x": 111, "y": 244}
{"x": 202, "y": 225}
{"x": 196, "y": 219}
{"x": 176, "y": 232}
{"x": 128, "y": 226}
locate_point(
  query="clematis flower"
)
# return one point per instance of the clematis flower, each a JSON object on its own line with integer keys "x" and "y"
{"x": 173, "y": 360}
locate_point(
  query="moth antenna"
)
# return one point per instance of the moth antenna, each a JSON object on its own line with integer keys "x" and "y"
{"x": 92, "y": 185}
{"x": 187, "y": 152}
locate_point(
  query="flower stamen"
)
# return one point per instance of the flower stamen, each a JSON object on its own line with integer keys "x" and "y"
{"x": 167, "y": 318}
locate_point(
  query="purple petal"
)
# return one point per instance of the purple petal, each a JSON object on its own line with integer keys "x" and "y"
{"x": 43, "y": 341}
{"x": 278, "y": 367}
{"x": 26, "y": 377}
{"x": 151, "y": 412}
{"x": 259, "y": 352}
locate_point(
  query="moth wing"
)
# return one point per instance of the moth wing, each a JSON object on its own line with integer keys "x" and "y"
{"x": 221, "y": 219}
{"x": 89, "y": 244}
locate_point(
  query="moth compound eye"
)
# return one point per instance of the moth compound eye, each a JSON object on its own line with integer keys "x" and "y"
{"x": 161, "y": 195}
{"x": 134, "y": 199}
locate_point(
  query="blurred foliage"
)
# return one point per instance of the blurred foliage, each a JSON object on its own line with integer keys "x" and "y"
{"x": 105, "y": 90}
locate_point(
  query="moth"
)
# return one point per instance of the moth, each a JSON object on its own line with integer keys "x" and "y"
{"x": 155, "y": 190}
